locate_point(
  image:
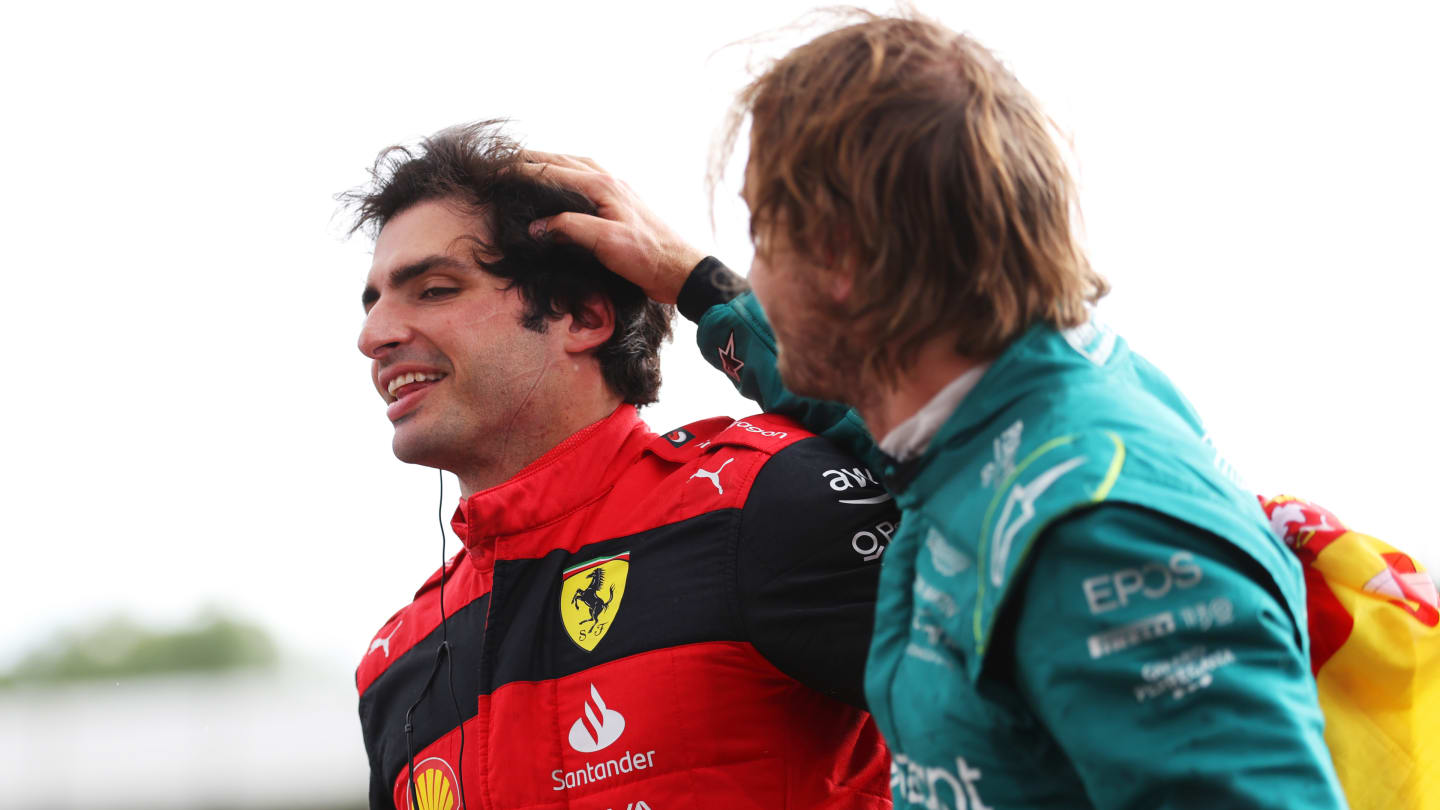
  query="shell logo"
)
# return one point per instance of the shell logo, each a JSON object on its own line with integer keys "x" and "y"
{"x": 434, "y": 787}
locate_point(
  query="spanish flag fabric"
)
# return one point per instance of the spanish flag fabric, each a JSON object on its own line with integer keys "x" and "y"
{"x": 1375, "y": 652}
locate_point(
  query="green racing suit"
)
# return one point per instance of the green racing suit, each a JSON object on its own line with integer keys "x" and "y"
{"x": 1080, "y": 607}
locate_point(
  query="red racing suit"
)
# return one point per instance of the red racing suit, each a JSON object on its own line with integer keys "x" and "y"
{"x": 641, "y": 621}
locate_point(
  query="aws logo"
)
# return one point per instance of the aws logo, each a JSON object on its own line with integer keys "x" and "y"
{"x": 590, "y": 595}
{"x": 434, "y": 787}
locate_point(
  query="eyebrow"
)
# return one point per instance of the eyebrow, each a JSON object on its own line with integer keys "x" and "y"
{"x": 407, "y": 273}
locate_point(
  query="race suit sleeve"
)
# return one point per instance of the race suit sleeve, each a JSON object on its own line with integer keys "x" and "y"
{"x": 1169, "y": 675}
{"x": 735, "y": 337}
{"x": 808, "y": 562}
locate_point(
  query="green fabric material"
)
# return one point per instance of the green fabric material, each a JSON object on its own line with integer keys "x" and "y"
{"x": 989, "y": 700}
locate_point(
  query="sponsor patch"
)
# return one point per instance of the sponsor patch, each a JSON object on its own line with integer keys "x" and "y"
{"x": 1153, "y": 580}
{"x": 1019, "y": 509}
{"x": 871, "y": 543}
{"x": 730, "y": 363}
{"x": 1132, "y": 635}
{"x": 947, "y": 559}
{"x": 434, "y": 787}
{"x": 936, "y": 788}
{"x": 679, "y": 436}
{"x": 590, "y": 595}
{"x": 1003, "y": 449}
{"x": 1181, "y": 675}
{"x": 605, "y": 725}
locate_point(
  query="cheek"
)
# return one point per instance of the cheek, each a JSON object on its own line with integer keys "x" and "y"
{"x": 759, "y": 280}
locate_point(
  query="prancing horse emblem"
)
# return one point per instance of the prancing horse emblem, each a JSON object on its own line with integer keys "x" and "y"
{"x": 590, "y": 595}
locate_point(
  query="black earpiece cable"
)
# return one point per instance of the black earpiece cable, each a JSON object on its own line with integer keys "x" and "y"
{"x": 442, "y": 651}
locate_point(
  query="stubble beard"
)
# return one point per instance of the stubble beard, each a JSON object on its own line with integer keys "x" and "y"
{"x": 822, "y": 361}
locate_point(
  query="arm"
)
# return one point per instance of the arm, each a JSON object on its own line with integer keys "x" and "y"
{"x": 1167, "y": 673}
{"x": 807, "y": 566}
{"x": 632, "y": 242}
{"x": 735, "y": 338}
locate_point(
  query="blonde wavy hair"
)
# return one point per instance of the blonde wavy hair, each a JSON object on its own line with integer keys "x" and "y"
{"x": 907, "y": 156}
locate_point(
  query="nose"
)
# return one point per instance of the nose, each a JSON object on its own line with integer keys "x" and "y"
{"x": 382, "y": 331}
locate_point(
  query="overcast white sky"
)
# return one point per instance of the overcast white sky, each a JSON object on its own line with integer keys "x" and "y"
{"x": 196, "y": 426}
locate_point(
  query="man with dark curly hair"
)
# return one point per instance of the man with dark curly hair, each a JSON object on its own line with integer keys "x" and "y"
{"x": 634, "y": 620}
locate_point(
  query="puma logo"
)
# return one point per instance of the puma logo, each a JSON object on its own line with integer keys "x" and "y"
{"x": 383, "y": 642}
{"x": 714, "y": 475}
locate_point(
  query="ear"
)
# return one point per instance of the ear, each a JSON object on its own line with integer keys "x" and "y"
{"x": 591, "y": 325}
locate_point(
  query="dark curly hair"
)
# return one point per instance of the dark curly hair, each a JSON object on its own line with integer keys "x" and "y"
{"x": 470, "y": 165}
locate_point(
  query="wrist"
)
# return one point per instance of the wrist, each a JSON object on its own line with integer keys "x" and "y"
{"x": 709, "y": 283}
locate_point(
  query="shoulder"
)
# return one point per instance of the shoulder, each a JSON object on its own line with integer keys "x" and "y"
{"x": 412, "y": 623}
{"x": 764, "y": 433}
{"x": 712, "y": 464}
{"x": 762, "y": 445}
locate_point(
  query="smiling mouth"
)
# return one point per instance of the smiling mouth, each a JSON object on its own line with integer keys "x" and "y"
{"x": 409, "y": 383}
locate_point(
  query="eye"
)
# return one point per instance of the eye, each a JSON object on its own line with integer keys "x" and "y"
{"x": 438, "y": 292}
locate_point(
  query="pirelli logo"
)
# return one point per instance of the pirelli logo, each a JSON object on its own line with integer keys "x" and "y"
{"x": 1132, "y": 635}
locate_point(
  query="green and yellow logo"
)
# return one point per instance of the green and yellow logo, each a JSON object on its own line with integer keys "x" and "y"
{"x": 590, "y": 595}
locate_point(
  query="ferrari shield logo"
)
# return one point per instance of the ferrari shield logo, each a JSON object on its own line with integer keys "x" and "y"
{"x": 590, "y": 595}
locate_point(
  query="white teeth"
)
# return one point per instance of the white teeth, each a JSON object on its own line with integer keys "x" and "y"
{"x": 406, "y": 379}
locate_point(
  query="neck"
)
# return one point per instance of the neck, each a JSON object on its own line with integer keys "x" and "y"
{"x": 535, "y": 431}
{"x": 935, "y": 367}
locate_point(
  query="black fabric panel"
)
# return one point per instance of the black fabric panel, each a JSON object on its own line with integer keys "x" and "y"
{"x": 383, "y": 706}
{"x": 678, "y": 591}
{"x": 806, "y": 587}
{"x": 710, "y": 283}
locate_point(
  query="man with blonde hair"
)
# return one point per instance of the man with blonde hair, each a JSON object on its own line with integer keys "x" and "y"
{"x": 1081, "y": 607}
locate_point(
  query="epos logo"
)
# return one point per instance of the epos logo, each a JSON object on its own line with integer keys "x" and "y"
{"x": 1152, "y": 580}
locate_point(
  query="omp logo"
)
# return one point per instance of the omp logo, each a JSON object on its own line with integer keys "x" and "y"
{"x": 434, "y": 787}
{"x": 868, "y": 543}
{"x": 936, "y": 788}
{"x": 605, "y": 725}
{"x": 1019, "y": 510}
{"x": 749, "y": 428}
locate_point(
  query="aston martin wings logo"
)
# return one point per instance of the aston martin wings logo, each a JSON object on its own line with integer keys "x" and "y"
{"x": 590, "y": 595}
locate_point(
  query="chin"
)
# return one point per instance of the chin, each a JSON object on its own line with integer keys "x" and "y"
{"x": 415, "y": 447}
{"x": 810, "y": 381}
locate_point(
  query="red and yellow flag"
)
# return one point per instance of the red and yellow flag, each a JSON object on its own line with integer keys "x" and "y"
{"x": 1375, "y": 652}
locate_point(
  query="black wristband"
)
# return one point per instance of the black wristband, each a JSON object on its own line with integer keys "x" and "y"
{"x": 710, "y": 283}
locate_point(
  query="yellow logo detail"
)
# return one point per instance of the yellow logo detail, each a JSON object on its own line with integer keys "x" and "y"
{"x": 590, "y": 595}
{"x": 433, "y": 791}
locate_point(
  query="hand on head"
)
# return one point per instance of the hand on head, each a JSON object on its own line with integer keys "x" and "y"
{"x": 625, "y": 236}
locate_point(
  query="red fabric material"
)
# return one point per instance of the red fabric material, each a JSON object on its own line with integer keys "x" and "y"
{"x": 718, "y": 726}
